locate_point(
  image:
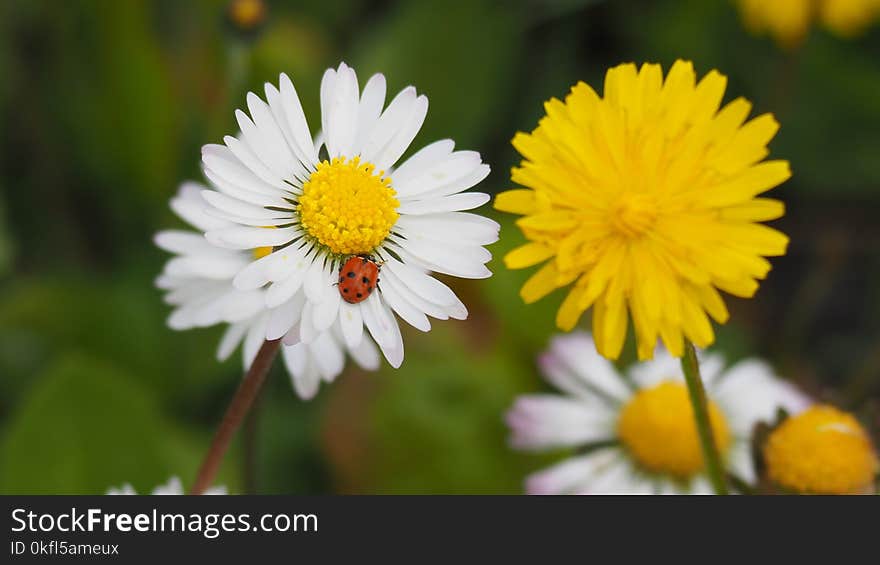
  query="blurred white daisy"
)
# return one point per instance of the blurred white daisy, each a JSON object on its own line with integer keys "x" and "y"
{"x": 636, "y": 432}
{"x": 342, "y": 197}
{"x": 173, "y": 486}
{"x": 199, "y": 284}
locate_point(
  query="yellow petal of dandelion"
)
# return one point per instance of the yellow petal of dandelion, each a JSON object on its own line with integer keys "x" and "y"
{"x": 516, "y": 201}
{"x": 528, "y": 255}
{"x": 648, "y": 198}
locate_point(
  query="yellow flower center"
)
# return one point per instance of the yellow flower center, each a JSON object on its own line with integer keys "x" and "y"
{"x": 247, "y": 14}
{"x": 260, "y": 252}
{"x": 346, "y": 207}
{"x": 822, "y": 451}
{"x": 657, "y": 427}
{"x": 633, "y": 214}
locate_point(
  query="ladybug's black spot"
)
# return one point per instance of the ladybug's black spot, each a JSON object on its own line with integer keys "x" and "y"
{"x": 345, "y": 290}
{"x": 365, "y": 280}
{"x": 369, "y": 289}
{"x": 350, "y": 274}
{"x": 359, "y": 295}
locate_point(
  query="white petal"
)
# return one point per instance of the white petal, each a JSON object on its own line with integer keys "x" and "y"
{"x": 351, "y": 323}
{"x": 391, "y": 284}
{"x": 243, "y": 194}
{"x": 307, "y": 331}
{"x": 242, "y": 305}
{"x": 616, "y": 478}
{"x": 243, "y": 237}
{"x": 422, "y": 160}
{"x": 547, "y": 421}
{"x": 372, "y": 100}
{"x": 228, "y": 166}
{"x": 217, "y": 266}
{"x": 340, "y": 103}
{"x": 578, "y": 352}
{"x": 326, "y": 310}
{"x": 454, "y": 203}
{"x": 409, "y": 313}
{"x": 365, "y": 354}
{"x": 283, "y": 290}
{"x": 254, "y": 340}
{"x": 328, "y": 356}
{"x": 190, "y": 207}
{"x": 421, "y": 283}
{"x": 572, "y": 474}
{"x": 458, "y": 261}
{"x": 384, "y": 329}
{"x": 701, "y": 485}
{"x": 304, "y": 374}
{"x": 230, "y": 340}
{"x": 398, "y": 144}
{"x": 296, "y": 121}
{"x": 284, "y": 317}
{"x": 454, "y": 227}
{"x": 278, "y": 154}
{"x": 317, "y": 283}
{"x": 236, "y": 207}
{"x": 749, "y": 392}
{"x": 393, "y": 119}
{"x": 183, "y": 242}
{"x": 453, "y": 167}
{"x": 740, "y": 461}
{"x": 249, "y": 150}
{"x": 277, "y": 266}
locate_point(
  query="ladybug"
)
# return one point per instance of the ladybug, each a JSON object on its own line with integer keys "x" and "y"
{"x": 357, "y": 278}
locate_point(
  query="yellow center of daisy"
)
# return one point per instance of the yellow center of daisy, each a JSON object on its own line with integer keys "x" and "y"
{"x": 348, "y": 207}
{"x": 821, "y": 451}
{"x": 633, "y": 214}
{"x": 261, "y": 252}
{"x": 657, "y": 427}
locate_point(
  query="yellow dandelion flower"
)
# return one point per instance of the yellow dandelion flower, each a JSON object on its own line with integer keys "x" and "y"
{"x": 821, "y": 451}
{"x": 645, "y": 201}
{"x": 788, "y": 21}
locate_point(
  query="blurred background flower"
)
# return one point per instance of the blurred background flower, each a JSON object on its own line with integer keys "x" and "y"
{"x": 105, "y": 106}
{"x": 789, "y": 21}
{"x": 174, "y": 486}
{"x": 823, "y": 450}
{"x": 634, "y": 431}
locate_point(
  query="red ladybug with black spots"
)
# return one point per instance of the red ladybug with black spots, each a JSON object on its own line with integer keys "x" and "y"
{"x": 357, "y": 278}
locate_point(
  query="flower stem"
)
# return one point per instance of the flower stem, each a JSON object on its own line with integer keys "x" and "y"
{"x": 691, "y": 368}
{"x": 238, "y": 409}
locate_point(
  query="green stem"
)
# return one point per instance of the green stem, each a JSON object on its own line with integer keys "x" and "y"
{"x": 691, "y": 368}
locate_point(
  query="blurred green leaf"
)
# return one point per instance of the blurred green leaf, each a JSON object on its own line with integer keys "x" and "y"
{"x": 119, "y": 320}
{"x": 5, "y": 243}
{"x": 437, "y": 423}
{"x": 86, "y": 426}
{"x": 530, "y": 325}
{"x": 461, "y": 55}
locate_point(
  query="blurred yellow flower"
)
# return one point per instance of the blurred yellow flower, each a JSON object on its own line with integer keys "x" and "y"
{"x": 821, "y": 451}
{"x": 789, "y": 20}
{"x": 645, "y": 200}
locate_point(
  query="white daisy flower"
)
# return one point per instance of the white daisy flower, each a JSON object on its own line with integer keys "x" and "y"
{"x": 199, "y": 284}
{"x": 636, "y": 431}
{"x": 172, "y": 487}
{"x": 341, "y": 197}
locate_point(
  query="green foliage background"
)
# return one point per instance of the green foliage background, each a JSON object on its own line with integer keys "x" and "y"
{"x": 104, "y": 106}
